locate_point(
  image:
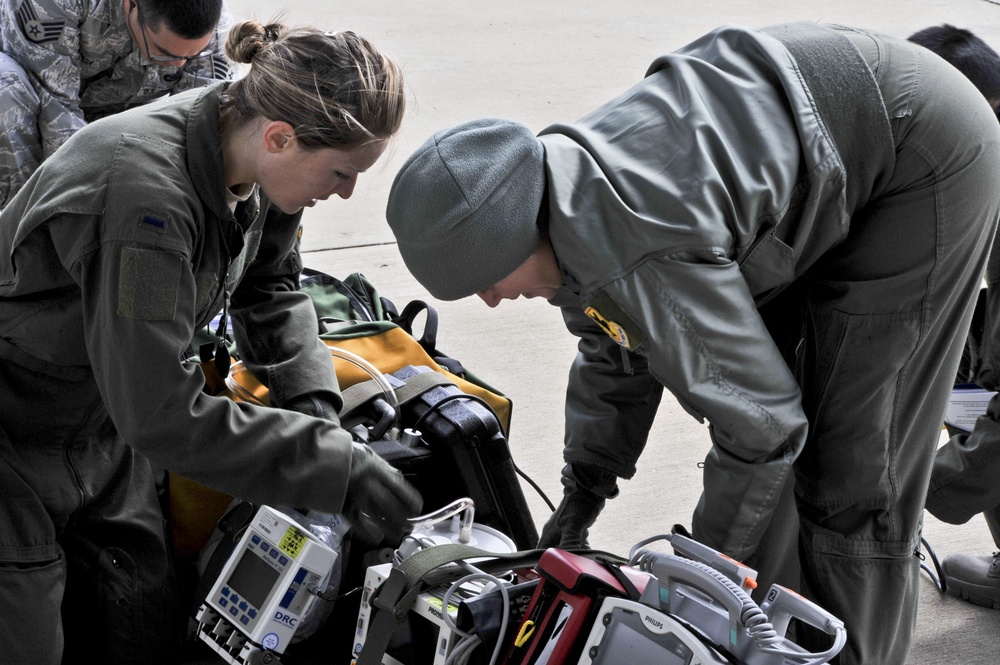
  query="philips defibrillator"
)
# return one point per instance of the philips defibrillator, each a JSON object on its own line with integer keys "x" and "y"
{"x": 700, "y": 613}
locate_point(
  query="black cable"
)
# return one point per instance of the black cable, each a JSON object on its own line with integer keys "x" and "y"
{"x": 937, "y": 574}
{"x": 341, "y": 596}
{"x": 534, "y": 485}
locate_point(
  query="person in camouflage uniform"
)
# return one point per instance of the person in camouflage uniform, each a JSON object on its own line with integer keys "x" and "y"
{"x": 65, "y": 63}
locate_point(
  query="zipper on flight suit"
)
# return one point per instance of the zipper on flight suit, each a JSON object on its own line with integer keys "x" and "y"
{"x": 223, "y": 360}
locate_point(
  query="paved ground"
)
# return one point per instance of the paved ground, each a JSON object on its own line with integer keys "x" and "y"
{"x": 542, "y": 62}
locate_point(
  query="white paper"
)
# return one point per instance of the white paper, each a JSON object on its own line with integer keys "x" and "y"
{"x": 966, "y": 405}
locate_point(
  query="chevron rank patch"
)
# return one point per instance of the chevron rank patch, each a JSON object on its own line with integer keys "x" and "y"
{"x": 613, "y": 320}
{"x": 38, "y": 30}
{"x": 220, "y": 67}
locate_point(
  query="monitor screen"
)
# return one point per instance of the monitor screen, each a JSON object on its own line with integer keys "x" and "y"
{"x": 253, "y": 578}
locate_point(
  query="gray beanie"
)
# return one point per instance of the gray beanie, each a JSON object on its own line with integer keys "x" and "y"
{"x": 464, "y": 206}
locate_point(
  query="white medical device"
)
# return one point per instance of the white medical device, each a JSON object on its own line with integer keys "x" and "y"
{"x": 269, "y": 583}
{"x": 428, "y": 630}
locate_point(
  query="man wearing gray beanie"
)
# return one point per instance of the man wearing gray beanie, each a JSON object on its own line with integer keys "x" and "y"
{"x": 785, "y": 227}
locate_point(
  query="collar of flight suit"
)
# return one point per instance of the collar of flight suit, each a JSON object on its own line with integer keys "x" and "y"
{"x": 204, "y": 150}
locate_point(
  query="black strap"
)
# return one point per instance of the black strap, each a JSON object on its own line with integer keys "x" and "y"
{"x": 231, "y": 526}
{"x": 631, "y": 590}
{"x": 222, "y": 359}
{"x": 405, "y": 320}
{"x": 428, "y": 339}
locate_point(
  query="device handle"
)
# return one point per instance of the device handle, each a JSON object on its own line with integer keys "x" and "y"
{"x": 671, "y": 570}
{"x": 782, "y": 605}
{"x": 688, "y": 547}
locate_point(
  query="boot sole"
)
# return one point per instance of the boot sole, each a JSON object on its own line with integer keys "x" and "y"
{"x": 977, "y": 595}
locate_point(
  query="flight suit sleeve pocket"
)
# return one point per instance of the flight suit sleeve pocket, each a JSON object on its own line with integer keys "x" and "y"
{"x": 148, "y": 284}
{"x": 768, "y": 264}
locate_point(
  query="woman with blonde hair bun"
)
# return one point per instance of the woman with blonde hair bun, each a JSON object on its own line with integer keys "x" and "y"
{"x": 134, "y": 235}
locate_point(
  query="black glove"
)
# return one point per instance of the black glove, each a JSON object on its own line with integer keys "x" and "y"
{"x": 379, "y": 500}
{"x": 585, "y": 489}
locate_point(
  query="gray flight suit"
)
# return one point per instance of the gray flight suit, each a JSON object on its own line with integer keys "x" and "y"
{"x": 786, "y": 229}
{"x": 64, "y": 63}
{"x": 111, "y": 257}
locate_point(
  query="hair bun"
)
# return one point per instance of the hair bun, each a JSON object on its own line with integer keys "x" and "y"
{"x": 247, "y": 39}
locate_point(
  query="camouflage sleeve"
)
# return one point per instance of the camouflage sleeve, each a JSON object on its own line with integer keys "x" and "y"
{"x": 204, "y": 71}
{"x": 44, "y": 37}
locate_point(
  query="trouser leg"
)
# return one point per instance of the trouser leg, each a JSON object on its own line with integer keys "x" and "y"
{"x": 20, "y": 143}
{"x": 32, "y": 570}
{"x": 121, "y": 586}
{"x": 80, "y": 507}
{"x": 887, "y": 316}
{"x": 37, "y": 495}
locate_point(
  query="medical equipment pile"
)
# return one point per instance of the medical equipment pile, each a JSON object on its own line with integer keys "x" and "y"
{"x": 451, "y": 604}
{"x": 459, "y": 593}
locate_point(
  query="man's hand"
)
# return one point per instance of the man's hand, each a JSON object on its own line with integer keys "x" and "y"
{"x": 379, "y": 500}
{"x": 585, "y": 489}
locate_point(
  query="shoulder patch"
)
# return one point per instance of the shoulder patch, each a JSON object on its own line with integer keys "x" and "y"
{"x": 35, "y": 29}
{"x": 153, "y": 221}
{"x": 613, "y": 320}
{"x": 220, "y": 67}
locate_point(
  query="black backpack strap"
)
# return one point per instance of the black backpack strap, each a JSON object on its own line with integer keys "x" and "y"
{"x": 428, "y": 339}
{"x": 451, "y": 364}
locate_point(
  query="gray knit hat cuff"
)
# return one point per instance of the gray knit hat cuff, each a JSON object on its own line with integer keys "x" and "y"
{"x": 464, "y": 206}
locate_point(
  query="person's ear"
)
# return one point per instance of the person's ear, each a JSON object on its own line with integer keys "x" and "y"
{"x": 278, "y": 136}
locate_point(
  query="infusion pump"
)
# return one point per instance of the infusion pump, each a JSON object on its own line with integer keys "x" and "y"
{"x": 269, "y": 583}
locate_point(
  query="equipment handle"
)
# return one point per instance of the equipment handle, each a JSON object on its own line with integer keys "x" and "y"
{"x": 782, "y": 605}
{"x": 670, "y": 570}
{"x": 743, "y": 575}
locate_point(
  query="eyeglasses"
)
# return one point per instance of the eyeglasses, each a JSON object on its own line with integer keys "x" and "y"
{"x": 166, "y": 55}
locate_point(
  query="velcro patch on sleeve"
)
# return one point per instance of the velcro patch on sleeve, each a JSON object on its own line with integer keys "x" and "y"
{"x": 614, "y": 321}
{"x": 148, "y": 284}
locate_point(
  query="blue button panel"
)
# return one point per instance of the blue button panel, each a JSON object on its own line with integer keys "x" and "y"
{"x": 241, "y": 609}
